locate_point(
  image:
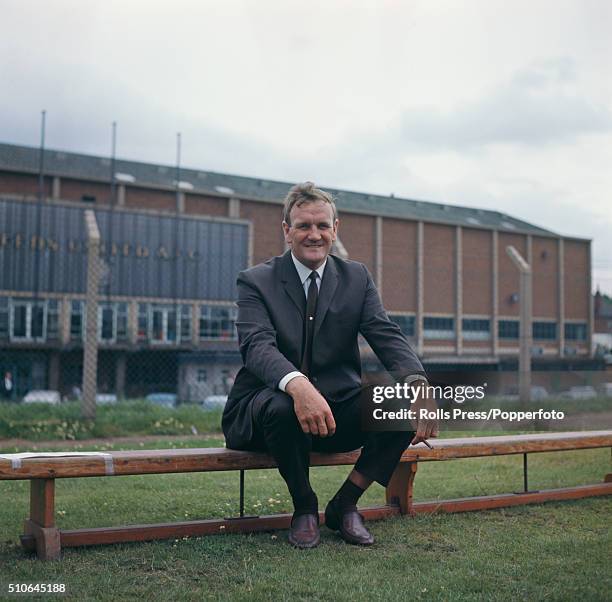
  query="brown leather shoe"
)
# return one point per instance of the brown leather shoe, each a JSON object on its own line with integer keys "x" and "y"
{"x": 349, "y": 523}
{"x": 304, "y": 531}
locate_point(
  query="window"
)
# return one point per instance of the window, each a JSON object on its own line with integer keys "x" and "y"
{"x": 163, "y": 323}
{"x": 476, "y": 329}
{"x": 107, "y": 322}
{"x": 4, "y": 317}
{"x": 217, "y": 322}
{"x": 202, "y": 375}
{"x": 122, "y": 322}
{"x": 112, "y": 322}
{"x": 27, "y": 320}
{"x": 88, "y": 198}
{"x": 185, "y": 323}
{"x": 406, "y": 323}
{"x": 508, "y": 329}
{"x": 52, "y": 320}
{"x": 576, "y": 332}
{"x": 143, "y": 321}
{"x": 77, "y": 318}
{"x": 438, "y": 328}
{"x": 544, "y": 331}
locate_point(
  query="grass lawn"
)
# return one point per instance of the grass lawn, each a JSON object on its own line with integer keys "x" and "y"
{"x": 554, "y": 551}
{"x": 43, "y": 422}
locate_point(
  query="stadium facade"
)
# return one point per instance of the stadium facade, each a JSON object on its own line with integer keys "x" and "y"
{"x": 172, "y": 248}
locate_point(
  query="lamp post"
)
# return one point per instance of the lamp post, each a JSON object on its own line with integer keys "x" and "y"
{"x": 525, "y": 334}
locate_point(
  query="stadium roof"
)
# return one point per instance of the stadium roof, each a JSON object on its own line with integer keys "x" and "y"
{"x": 72, "y": 165}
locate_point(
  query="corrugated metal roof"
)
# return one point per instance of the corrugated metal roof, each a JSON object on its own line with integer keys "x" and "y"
{"x": 73, "y": 165}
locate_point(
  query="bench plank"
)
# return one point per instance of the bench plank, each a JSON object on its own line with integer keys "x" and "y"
{"x": 221, "y": 459}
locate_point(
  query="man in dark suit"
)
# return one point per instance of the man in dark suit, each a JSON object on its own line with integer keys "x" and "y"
{"x": 299, "y": 316}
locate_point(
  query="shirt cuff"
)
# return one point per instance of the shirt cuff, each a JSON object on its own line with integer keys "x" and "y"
{"x": 415, "y": 377}
{"x": 285, "y": 380}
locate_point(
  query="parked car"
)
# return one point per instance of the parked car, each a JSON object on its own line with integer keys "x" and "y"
{"x": 106, "y": 398}
{"x": 580, "y": 392}
{"x": 41, "y": 396}
{"x": 214, "y": 401}
{"x": 536, "y": 393}
{"x": 167, "y": 400}
{"x": 606, "y": 389}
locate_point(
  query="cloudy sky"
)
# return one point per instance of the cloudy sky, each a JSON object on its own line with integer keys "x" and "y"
{"x": 485, "y": 103}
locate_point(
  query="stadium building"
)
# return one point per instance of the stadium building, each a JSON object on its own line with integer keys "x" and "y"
{"x": 173, "y": 244}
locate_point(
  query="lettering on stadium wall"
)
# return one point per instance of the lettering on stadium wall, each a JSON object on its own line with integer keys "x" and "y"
{"x": 40, "y": 243}
{"x": 45, "y": 248}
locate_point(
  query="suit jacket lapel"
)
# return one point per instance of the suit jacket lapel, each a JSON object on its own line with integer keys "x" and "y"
{"x": 326, "y": 294}
{"x": 292, "y": 284}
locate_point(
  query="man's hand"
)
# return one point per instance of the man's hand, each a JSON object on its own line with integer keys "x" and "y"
{"x": 311, "y": 408}
{"x": 426, "y": 427}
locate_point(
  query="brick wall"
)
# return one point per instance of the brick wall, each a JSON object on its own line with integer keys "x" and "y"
{"x": 399, "y": 265}
{"x": 545, "y": 266}
{"x": 439, "y": 269}
{"x": 74, "y": 190}
{"x": 477, "y": 269}
{"x": 508, "y": 283}
{"x": 576, "y": 260}
{"x": 357, "y": 235}
{"x": 197, "y": 204}
{"x": 22, "y": 184}
{"x": 268, "y": 238}
{"x": 150, "y": 199}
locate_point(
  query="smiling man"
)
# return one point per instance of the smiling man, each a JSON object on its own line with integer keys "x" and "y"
{"x": 299, "y": 316}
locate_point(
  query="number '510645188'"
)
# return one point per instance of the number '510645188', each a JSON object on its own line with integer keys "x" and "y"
{"x": 36, "y": 588}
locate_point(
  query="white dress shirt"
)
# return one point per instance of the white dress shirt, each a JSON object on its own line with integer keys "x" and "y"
{"x": 304, "y": 274}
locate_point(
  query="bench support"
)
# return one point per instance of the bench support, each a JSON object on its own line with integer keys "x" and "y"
{"x": 399, "y": 489}
{"x": 41, "y": 525}
{"x": 525, "y": 479}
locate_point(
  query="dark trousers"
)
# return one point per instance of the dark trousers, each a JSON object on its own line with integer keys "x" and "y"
{"x": 278, "y": 431}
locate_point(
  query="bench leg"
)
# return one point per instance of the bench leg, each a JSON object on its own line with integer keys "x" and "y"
{"x": 399, "y": 489}
{"x": 40, "y": 527}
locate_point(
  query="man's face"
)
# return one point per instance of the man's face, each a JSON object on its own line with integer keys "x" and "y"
{"x": 312, "y": 232}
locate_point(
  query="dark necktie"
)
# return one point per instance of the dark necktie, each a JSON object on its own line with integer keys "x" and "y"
{"x": 309, "y": 322}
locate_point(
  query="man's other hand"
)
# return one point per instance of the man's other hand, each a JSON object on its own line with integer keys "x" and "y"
{"x": 426, "y": 427}
{"x": 311, "y": 408}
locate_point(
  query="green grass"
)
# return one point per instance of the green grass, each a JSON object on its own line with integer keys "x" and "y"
{"x": 554, "y": 551}
{"x": 39, "y": 422}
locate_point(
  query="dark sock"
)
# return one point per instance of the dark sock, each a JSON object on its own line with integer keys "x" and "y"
{"x": 348, "y": 494}
{"x": 308, "y": 504}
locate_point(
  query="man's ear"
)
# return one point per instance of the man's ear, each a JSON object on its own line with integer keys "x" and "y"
{"x": 335, "y": 229}
{"x": 286, "y": 229}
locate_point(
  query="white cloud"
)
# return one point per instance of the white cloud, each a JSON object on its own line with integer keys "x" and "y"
{"x": 540, "y": 105}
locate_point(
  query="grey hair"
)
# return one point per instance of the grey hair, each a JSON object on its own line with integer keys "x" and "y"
{"x": 303, "y": 193}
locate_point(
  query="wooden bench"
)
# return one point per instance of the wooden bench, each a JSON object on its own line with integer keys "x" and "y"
{"x": 42, "y": 535}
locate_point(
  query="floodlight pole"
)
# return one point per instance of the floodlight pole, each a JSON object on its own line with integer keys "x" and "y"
{"x": 525, "y": 334}
{"x": 90, "y": 359}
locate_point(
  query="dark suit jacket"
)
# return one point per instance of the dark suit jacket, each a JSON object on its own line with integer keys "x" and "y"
{"x": 271, "y": 307}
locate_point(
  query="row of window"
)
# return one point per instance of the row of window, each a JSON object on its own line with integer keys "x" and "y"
{"x": 23, "y": 320}
{"x": 477, "y": 329}
{"x": 29, "y": 320}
